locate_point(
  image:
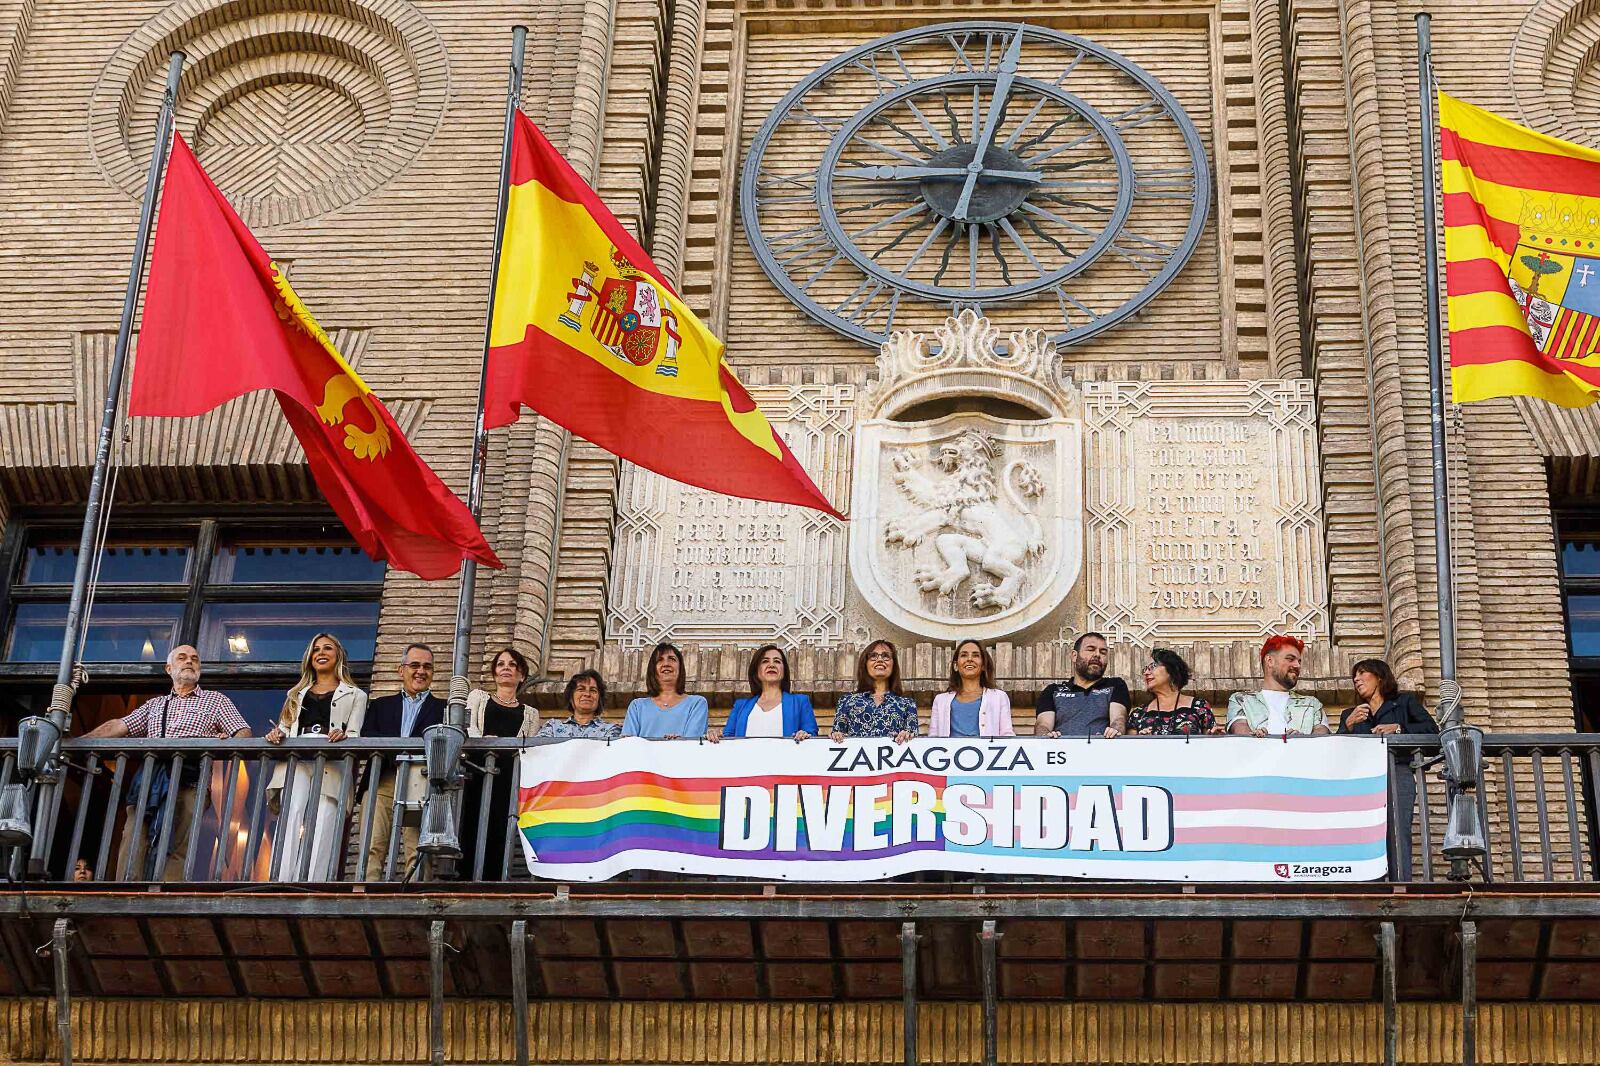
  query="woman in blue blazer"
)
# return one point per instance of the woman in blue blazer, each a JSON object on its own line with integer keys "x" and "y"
{"x": 770, "y": 710}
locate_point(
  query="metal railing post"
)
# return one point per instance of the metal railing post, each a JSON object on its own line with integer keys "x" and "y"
{"x": 991, "y": 1042}
{"x": 58, "y": 961}
{"x": 908, "y": 988}
{"x": 519, "y": 988}
{"x": 1391, "y": 1020}
{"x": 1469, "y": 993}
{"x": 436, "y": 992}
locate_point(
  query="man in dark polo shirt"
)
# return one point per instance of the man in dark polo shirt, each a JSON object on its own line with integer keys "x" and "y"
{"x": 1088, "y": 703}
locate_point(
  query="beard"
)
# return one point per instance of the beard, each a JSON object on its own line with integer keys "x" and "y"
{"x": 1090, "y": 671}
{"x": 1286, "y": 678}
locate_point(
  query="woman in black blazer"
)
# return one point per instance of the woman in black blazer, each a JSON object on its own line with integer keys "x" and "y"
{"x": 1383, "y": 711}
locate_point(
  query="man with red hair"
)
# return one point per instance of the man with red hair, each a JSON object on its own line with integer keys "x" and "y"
{"x": 1276, "y": 709}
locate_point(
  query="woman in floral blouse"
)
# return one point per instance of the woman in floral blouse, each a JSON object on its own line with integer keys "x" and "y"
{"x": 877, "y": 708}
{"x": 1169, "y": 710}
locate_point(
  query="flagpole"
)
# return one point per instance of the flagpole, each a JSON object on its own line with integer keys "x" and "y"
{"x": 46, "y": 733}
{"x": 445, "y": 839}
{"x": 480, "y": 436}
{"x": 1449, "y": 690}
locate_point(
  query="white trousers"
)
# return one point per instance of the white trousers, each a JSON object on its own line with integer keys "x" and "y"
{"x": 325, "y": 837}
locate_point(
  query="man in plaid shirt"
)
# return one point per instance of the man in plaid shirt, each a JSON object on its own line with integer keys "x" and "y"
{"x": 187, "y": 711}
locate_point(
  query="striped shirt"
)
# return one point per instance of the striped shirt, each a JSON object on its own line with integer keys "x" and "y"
{"x": 202, "y": 713}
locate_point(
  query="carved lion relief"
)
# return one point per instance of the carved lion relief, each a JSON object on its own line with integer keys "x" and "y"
{"x": 967, "y": 510}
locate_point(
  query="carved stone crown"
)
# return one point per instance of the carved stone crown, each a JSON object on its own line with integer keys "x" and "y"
{"x": 963, "y": 359}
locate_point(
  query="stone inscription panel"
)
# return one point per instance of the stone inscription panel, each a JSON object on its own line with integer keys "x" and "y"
{"x": 700, "y": 567}
{"x": 1204, "y": 511}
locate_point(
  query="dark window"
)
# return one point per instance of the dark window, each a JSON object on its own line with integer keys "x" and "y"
{"x": 251, "y": 560}
{"x": 248, "y": 591}
{"x": 1578, "y": 534}
{"x": 52, "y": 562}
{"x": 280, "y": 631}
{"x": 117, "y": 632}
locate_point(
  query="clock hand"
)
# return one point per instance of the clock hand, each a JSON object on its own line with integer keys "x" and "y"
{"x": 1027, "y": 177}
{"x": 901, "y": 173}
{"x": 997, "y": 105}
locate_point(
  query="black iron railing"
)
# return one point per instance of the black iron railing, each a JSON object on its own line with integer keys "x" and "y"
{"x": 245, "y": 811}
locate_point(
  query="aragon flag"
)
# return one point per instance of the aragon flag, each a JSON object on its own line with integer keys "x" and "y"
{"x": 221, "y": 320}
{"x": 1522, "y": 259}
{"x": 589, "y": 334}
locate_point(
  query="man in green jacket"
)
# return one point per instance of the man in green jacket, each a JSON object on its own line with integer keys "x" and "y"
{"x": 1276, "y": 709}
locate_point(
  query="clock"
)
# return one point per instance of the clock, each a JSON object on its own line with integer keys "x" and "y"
{"x": 1022, "y": 172}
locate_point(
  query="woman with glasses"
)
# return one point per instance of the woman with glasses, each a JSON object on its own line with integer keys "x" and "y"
{"x": 667, "y": 713}
{"x": 972, "y": 706}
{"x": 877, "y": 708}
{"x": 770, "y": 710}
{"x": 325, "y": 702}
{"x": 1170, "y": 712}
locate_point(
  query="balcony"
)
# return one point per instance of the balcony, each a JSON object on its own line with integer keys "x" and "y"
{"x": 241, "y": 918}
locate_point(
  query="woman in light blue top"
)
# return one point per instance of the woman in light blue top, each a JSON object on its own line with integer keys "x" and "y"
{"x": 666, "y": 714}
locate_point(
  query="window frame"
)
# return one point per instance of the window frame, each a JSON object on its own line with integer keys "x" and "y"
{"x": 194, "y": 594}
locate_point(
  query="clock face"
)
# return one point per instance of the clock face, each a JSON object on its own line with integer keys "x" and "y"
{"x": 1041, "y": 179}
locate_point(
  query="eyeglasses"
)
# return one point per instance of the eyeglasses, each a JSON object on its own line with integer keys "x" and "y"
{"x": 424, "y": 667}
{"x": 881, "y": 656}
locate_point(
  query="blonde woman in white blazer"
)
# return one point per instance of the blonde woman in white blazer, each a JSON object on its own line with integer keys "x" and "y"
{"x": 971, "y": 682}
{"x": 324, "y": 702}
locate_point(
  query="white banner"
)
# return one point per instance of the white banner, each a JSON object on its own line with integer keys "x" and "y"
{"x": 1145, "y": 808}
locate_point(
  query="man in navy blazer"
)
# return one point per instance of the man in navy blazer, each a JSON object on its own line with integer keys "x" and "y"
{"x": 404, "y": 714}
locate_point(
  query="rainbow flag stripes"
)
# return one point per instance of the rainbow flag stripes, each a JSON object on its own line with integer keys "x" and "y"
{"x": 1151, "y": 809}
{"x": 1522, "y": 259}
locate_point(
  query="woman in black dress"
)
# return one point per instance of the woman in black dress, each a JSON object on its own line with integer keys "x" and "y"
{"x": 1170, "y": 712}
{"x": 496, "y": 713}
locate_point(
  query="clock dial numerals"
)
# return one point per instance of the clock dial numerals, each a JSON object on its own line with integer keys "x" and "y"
{"x": 988, "y": 165}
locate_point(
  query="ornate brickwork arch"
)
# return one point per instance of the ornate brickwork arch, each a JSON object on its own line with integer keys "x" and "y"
{"x": 295, "y": 109}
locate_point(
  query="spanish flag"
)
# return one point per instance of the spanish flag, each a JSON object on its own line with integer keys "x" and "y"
{"x": 221, "y": 320}
{"x": 589, "y": 334}
{"x": 1522, "y": 259}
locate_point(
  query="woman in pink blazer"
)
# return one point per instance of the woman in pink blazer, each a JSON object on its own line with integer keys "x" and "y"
{"x": 972, "y": 707}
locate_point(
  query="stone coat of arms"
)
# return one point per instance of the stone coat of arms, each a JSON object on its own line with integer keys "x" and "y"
{"x": 967, "y": 508}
